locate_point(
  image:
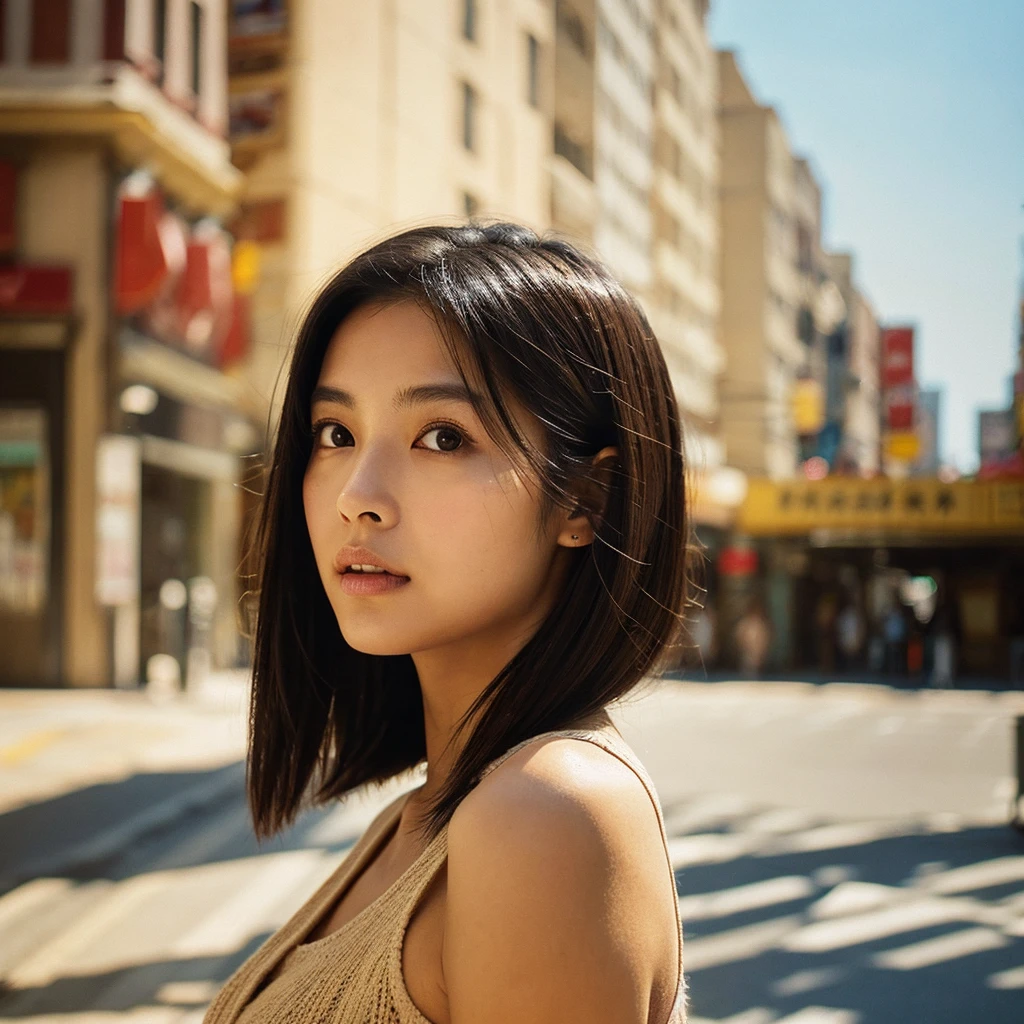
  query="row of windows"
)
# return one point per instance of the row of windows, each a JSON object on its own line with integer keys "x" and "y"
{"x": 570, "y": 24}
{"x": 698, "y": 58}
{"x": 50, "y": 35}
{"x": 674, "y": 158}
{"x": 575, "y": 152}
{"x": 696, "y": 111}
{"x": 622, "y": 226}
{"x": 685, "y": 310}
{"x": 625, "y": 125}
{"x": 470, "y": 100}
{"x": 610, "y": 40}
{"x": 687, "y": 242}
{"x": 637, "y": 192}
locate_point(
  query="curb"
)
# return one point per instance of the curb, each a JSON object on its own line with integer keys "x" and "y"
{"x": 229, "y": 781}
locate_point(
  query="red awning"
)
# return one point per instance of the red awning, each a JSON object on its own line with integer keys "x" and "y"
{"x": 34, "y": 290}
{"x": 150, "y": 251}
{"x": 205, "y": 294}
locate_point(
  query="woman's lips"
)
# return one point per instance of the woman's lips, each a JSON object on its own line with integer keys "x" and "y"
{"x": 368, "y": 584}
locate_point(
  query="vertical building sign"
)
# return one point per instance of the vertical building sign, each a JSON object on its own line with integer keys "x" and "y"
{"x": 897, "y": 357}
{"x": 118, "y": 490}
{"x": 899, "y": 393}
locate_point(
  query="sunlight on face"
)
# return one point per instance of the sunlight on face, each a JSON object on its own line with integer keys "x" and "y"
{"x": 402, "y": 466}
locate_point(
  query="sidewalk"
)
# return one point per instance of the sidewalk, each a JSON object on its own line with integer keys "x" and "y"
{"x": 86, "y": 773}
{"x": 53, "y": 742}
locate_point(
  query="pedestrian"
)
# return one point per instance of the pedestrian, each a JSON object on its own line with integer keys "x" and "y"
{"x": 702, "y": 634}
{"x": 472, "y": 543}
{"x": 849, "y": 636}
{"x": 943, "y": 651}
{"x": 894, "y": 629}
{"x": 753, "y": 635}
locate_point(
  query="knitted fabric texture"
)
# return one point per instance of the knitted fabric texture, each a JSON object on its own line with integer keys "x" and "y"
{"x": 353, "y": 975}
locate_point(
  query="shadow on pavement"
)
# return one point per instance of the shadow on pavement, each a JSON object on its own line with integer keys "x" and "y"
{"x": 932, "y": 939}
{"x": 164, "y": 982}
{"x": 79, "y": 832}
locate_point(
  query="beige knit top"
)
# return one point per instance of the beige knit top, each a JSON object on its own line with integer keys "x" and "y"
{"x": 353, "y": 975}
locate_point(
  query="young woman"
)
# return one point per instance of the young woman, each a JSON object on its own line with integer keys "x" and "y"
{"x": 473, "y": 542}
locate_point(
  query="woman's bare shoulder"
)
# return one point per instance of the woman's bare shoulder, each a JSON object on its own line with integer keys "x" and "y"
{"x": 559, "y": 842}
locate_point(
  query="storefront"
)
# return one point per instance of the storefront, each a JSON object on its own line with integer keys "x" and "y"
{"x": 125, "y": 428}
{"x": 868, "y": 576}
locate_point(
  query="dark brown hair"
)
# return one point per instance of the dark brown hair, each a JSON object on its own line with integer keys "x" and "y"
{"x": 531, "y": 318}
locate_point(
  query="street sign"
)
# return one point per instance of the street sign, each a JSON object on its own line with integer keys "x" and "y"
{"x": 903, "y": 445}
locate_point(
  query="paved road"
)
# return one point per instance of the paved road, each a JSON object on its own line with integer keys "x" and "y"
{"x": 841, "y": 856}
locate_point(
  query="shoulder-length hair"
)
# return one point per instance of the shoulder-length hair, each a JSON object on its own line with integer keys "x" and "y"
{"x": 528, "y": 317}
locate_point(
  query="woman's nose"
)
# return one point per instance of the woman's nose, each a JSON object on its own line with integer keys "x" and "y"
{"x": 366, "y": 492}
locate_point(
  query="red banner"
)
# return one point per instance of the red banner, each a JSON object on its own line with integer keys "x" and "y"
{"x": 735, "y": 561}
{"x": 45, "y": 291}
{"x": 897, "y": 356}
{"x": 900, "y": 407}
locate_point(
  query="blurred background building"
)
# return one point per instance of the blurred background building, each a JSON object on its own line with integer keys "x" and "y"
{"x": 178, "y": 176}
{"x": 122, "y": 414}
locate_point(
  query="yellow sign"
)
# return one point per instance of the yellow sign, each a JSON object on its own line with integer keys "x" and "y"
{"x": 245, "y": 266}
{"x": 903, "y": 445}
{"x": 808, "y": 406}
{"x": 891, "y": 507}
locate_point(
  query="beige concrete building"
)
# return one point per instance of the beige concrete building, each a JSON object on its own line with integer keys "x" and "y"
{"x": 574, "y": 209}
{"x": 684, "y": 298}
{"x": 760, "y": 287}
{"x": 353, "y": 120}
{"x": 623, "y": 139}
{"x": 121, "y": 414}
{"x": 854, "y": 395}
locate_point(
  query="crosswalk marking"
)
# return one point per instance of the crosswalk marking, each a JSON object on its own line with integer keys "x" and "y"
{"x": 941, "y": 949}
{"x": 27, "y": 897}
{"x": 754, "y": 896}
{"x": 48, "y": 963}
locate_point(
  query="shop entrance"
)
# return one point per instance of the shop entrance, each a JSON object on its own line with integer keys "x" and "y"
{"x": 907, "y": 611}
{"x": 31, "y": 523}
{"x": 174, "y": 546}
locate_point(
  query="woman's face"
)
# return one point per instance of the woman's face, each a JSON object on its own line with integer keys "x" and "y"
{"x": 402, "y": 467}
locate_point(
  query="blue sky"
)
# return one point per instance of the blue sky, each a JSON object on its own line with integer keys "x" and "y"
{"x": 912, "y": 114}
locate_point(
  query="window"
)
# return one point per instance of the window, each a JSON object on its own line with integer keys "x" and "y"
{"x": 469, "y": 103}
{"x": 197, "y": 47}
{"x": 51, "y": 31}
{"x": 113, "y": 29}
{"x": 469, "y": 20}
{"x": 532, "y": 71}
{"x": 160, "y": 35}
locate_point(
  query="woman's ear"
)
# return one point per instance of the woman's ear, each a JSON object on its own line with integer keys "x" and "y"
{"x": 591, "y": 490}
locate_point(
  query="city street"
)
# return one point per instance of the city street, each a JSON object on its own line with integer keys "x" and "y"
{"x": 842, "y": 852}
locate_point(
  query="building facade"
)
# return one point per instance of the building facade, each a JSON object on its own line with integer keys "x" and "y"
{"x": 684, "y": 298}
{"x": 123, "y": 412}
{"x": 353, "y": 120}
{"x": 759, "y": 280}
{"x": 853, "y": 395}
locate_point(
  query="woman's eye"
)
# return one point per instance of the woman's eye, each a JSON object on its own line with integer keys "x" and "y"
{"x": 446, "y": 439}
{"x": 332, "y": 435}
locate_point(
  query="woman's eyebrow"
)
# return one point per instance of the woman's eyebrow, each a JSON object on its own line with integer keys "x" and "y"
{"x": 416, "y": 395}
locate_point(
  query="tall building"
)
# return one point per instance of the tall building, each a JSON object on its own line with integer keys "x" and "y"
{"x": 573, "y": 197}
{"x": 853, "y": 396}
{"x": 929, "y": 424}
{"x": 623, "y": 139}
{"x": 123, "y": 419}
{"x": 760, "y": 285}
{"x": 352, "y": 120}
{"x": 684, "y": 299}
